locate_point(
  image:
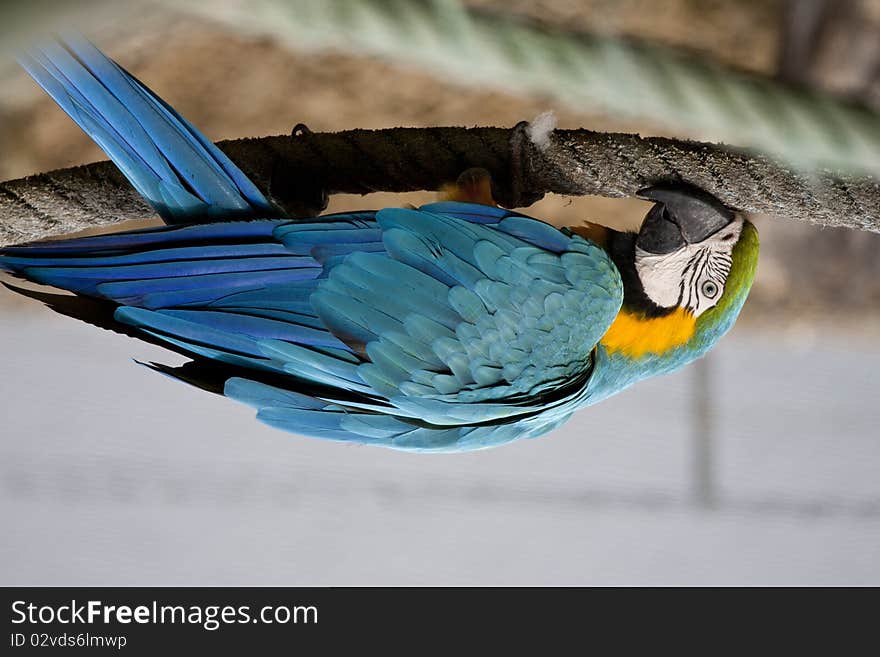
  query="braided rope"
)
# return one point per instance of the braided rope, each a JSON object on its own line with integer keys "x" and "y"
{"x": 290, "y": 168}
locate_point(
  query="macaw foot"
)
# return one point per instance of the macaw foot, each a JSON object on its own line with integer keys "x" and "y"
{"x": 473, "y": 186}
{"x": 303, "y": 195}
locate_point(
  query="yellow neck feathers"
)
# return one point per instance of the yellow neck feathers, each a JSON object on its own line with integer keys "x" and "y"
{"x": 635, "y": 335}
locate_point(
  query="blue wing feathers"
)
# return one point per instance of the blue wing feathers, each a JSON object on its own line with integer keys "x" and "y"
{"x": 258, "y": 328}
{"x": 128, "y": 291}
{"x": 148, "y": 238}
{"x": 471, "y": 212}
{"x": 427, "y": 324}
{"x": 351, "y": 318}
{"x": 534, "y": 232}
{"x": 196, "y": 333}
{"x": 165, "y": 256}
{"x": 176, "y": 268}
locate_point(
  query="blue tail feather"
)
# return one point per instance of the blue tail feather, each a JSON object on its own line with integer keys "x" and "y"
{"x": 180, "y": 172}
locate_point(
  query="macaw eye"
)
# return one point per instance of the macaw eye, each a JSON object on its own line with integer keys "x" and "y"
{"x": 710, "y": 289}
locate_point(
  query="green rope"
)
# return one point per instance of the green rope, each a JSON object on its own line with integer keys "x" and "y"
{"x": 622, "y": 78}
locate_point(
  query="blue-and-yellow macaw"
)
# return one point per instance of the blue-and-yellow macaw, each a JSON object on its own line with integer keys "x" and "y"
{"x": 454, "y": 326}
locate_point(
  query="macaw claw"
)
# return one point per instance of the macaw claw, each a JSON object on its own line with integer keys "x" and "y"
{"x": 303, "y": 195}
{"x": 474, "y": 185}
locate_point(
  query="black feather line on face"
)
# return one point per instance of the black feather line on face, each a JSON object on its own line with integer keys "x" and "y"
{"x": 622, "y": 249}
{"x": 696, "y": 275}
{"x": 687, "y": 284}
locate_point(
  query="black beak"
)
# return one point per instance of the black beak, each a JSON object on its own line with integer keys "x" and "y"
{"x": 680, "y": 216}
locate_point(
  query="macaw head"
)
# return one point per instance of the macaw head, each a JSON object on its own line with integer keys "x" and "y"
{"x": 686, "y": 276}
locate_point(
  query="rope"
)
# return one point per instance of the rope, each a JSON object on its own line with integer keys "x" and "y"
{"x": 689, "y": 95}
{"x": 290, "y": 168}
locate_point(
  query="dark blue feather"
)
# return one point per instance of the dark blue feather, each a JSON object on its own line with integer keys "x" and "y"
{"x": 536, "y": 232}
{"x": 175, "y": 268}
{"x": 147, "y": 238}
{"x": 471, "y": 212}
{"x": 40, "y": 258}
{"x": 191, "y": 332}
{"x": 259, "y": 328}
{"x": 137, "y": 292}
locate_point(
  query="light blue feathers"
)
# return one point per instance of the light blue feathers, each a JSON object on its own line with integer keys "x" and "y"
{"x": 469, "y": 336}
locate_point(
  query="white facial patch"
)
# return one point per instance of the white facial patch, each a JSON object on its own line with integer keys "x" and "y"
{"x": 692, "y": 277}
